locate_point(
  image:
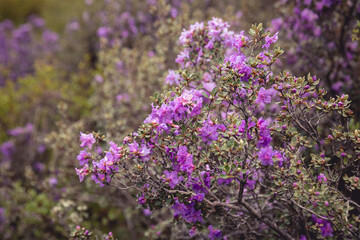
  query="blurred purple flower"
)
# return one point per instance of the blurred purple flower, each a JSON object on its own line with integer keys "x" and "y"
{"x": 7, "y": 148}
{"x": 21, "y": 130}
{"x": 214, "y": 233}
{"x": 53, "y": 181}
{"x": 325, "y": 226}
{"x": 104, "y": 31}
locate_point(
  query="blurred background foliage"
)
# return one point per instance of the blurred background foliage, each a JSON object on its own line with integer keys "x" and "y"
{"x": 55, "y": 13}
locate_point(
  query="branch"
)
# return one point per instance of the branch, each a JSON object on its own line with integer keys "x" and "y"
{"x": 252, "y": 211}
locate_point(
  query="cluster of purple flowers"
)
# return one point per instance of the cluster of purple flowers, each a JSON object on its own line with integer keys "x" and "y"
{"x": 200, "y": 39}
{"x": 172, "y": 178}
{"x": 322, "y": 28}
{"x": 187, "y": 212}
{"x": 324, "y": 225}
{"x": 264, "y": 96}
{"x": 209, "y": 131}
{"x": 21, "y": 46}
{"x": 204, "y": 145}
{"x": 184, "y": 161}
{"x": 168, "y": 117}
{"x": 142, "y": 152}
{"x": 117, "y": 23}
{"x": 189, "y": 104}
{"x": 87, "y": 141}
{"x": 103, "y": 168}
{"x": 238, "y": 62}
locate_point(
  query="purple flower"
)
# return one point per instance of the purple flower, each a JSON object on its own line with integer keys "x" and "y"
{"x": 21, "y": 130}
{"x": 147, "y": 212}
{"x": 187, "y": 212}
{"x": 322, "y": 178}
{"x": 276, "y": 24}
{"x": 104, "y": 32}
{"x": 302, "y": 237}
{"x": 36, "y": 21}
{"x": 144, "y": 151}
{"x": 250, "y": 184}
{"x": 173, "y": 12}
{"x": 83, "y": 157}
{"x": 193, "y": 215}
{"x": 104, "y": 169}
{"x": 223, "y": 181}
{"x": 198, "y": 197}
{"x": 270, "y": 40}
{"x": 50, "y": 41}
{"x": 53, "y": 181}
{"x": 172, "y": 78}
{"x": 72, "y": 26}
{"x": 186, "y": 36}
{"x": 114, "y": 148}
{"x": 309, "y": 15}
{"x": 89, "y": 2}
{"x": 209, "y": 45}
{"x": 7, "y": 148}
{"x": 41, "y": 148}
{"x": 251, "y": 124}
{"x": 82, "y": 172}
{"x": 134, "y": 148}
{"x": 182, "y": 57}
{"x": 172, "y": 178}
{"x": 214, "y": 233}
{"x": 264, "y": 96}
{"x": 215, "y": 27}
{"x": 239, "y": 41}
{"x": 264, "y": 133}
{"x": 197, "y": 26}
{"x": 39, "y": 167}
{"x": 209, "y": 131}
{"x": 142, "y": 200}
{"x": 325, "y": 226}
{"x": 98, "y": 78}
{"x": 185, "y": 160}
{"x": 179, "y": 209}
{"x": 266, "y": 155}
{"x": 208, "y": 82}
{"x": 238, "y": 63}
{"x": 192, "y": 231}
{"x": 123, "y": 97}
{"x": 87, "y": 140}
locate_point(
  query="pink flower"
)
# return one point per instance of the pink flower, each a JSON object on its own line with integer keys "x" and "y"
{"x": 270, "y": 40}
{"x": 87, "y": 140}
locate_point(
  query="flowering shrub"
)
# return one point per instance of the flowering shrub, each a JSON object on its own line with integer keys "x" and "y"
{"x": 125, "y": 78}
{"x": 44, "y": 109}
{"x": 323, "y": 29}
{"x": 235, "y": 150}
